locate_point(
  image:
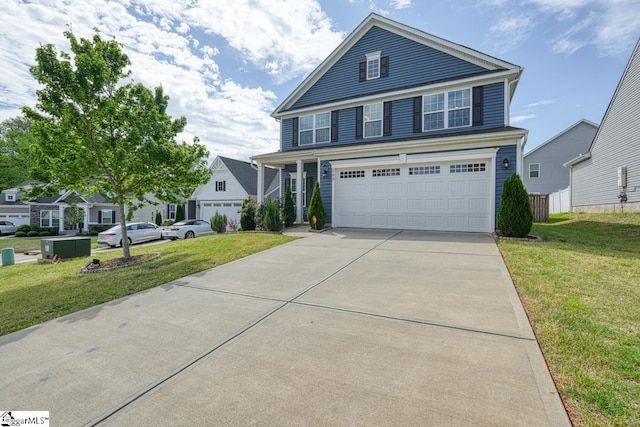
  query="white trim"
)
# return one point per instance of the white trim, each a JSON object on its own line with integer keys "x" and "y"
{"x": 404, "y": 93}
{"x": 581, "y": 158}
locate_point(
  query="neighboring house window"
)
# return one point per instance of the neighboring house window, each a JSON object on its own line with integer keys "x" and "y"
{"x": 447, "y": 110}
{"x": 372, "y": 120}
{"x": 294, "y": 186}
{"x": 373, "y": 65}
{"x": 221, "y": 185}
{"x": 107, "y": 216}
{"x": 534, "y": 170}
{"x": 172, "y": 211}
{"x": 50, "y": 218}
{"x": 11, "y": 198}
{"x": 315, "y": 128}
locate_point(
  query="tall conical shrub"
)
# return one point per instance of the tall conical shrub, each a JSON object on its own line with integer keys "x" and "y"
{"x": 179, "y": 213}
{"x": 288, "y": 212}
{"x": 158, "y": 218}
{"x": 316, "y": 209}
{"x": 515, "y": 217}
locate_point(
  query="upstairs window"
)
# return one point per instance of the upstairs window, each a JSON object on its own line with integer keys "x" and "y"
{"x": 534, "y": 170}
{"x": 447, "y": 110}
{"x": 372, "y": 120}
{"x": 315, "y": 129}
{"x": 221, "y": 185}
{"x": 373, "y": 65}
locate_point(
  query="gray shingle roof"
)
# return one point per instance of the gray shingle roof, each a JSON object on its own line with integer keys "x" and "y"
{"x": 247, "y": 176}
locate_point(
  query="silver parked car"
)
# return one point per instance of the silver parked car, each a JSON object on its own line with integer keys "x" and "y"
{"x": 187, "y": 229}
{"x": 7, "y": 227}
{"x": 137, "y": 232}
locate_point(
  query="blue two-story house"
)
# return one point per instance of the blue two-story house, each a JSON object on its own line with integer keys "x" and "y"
{"x": 403, "y": 129}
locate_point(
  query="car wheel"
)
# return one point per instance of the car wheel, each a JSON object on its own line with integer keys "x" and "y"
{"x": 189, "y": 235}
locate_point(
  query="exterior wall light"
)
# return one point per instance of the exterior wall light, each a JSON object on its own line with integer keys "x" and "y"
{"x": 505, "y": 163}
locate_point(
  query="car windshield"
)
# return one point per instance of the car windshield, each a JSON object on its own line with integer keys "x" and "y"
{"x": 183, "y": 223}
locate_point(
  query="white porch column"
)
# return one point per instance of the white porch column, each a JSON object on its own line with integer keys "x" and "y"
{"x": 85, "y": 227}
{"x": 260, "y": 189}
{"x": 299, "y": 184}
{"x": 61, "y": 218}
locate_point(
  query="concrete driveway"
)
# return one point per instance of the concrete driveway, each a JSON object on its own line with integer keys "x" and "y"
{"x": 346, "y": 327}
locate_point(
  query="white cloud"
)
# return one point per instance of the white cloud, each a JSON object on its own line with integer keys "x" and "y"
{"x": 511, "y": 31}
{"x": 522, "y": 118}
{"x": 541, "y": 103}
{"x": 400, "y": 4}
{"x": 285, "y": 39}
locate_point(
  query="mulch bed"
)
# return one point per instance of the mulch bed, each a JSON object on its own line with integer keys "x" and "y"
{"x": 96, "y": 265}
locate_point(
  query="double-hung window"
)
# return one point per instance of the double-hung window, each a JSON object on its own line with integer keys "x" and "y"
{"x": 50, "y": 218}
{"x": 107, "y": 216}
{"x": 172, "y": 211}
{"x": 534, "y": 170}
{"x": 372, "y": 120}
{"x": 315, "y": 128}
{"x": 373, "y": 65}
{"x": 447, "y": 110}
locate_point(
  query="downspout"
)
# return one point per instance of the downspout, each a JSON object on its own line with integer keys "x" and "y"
{"x": 520, "y": 155}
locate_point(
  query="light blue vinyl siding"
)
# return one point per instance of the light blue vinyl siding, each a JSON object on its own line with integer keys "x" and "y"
{"x": 402, "y": 121}
{"x": 410, "y": 64}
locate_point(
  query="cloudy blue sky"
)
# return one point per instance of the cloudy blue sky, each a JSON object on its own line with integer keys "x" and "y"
{"x": 226, "y": 64}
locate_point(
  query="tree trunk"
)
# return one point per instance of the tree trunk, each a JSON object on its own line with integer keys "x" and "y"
{"x": 123, "y": 227}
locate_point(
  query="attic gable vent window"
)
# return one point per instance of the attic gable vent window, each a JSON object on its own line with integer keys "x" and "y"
{"x": 373, "y": 65}
{"x": 11, "y": 198}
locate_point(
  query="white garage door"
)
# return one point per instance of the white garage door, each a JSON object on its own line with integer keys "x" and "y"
{"x": 230, "y": 209}
{"x": 452, "y": 196}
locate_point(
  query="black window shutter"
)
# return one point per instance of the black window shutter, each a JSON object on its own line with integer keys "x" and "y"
{"x": 295, "y": 131}
{"x": 287, "y": 184}
{"x": 478, "y": 98}
{"x": 386, "y": 118}
{"x": 359, "y": 113}
{"x": 417, "y": 114}
{"x": 362, "y": 76}
{"x": 309, "y": 184}
{"x": 99, "y": 217}
{"x": 334, "y": 126}
{"x": 384, "y": 66}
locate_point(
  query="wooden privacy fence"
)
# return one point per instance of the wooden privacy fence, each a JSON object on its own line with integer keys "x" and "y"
{"x": 540, "y": 207}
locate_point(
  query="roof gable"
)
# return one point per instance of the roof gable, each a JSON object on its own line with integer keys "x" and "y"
{"x": 477, "y": 61}
{"x": 244, "y": 173}
{"x": 564, "y": 132}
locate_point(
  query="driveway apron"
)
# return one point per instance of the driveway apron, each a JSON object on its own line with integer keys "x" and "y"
{"x": 345, "y": 327}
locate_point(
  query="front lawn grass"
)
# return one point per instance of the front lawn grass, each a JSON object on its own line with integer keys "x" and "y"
{"x": 581, "y": 288}
{"x": 32, "y": 293}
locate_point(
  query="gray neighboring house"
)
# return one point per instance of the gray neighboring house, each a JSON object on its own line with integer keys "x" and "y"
{"x": 544, "y": 171}
{"x": 595, "y": 175}
{"x": 12, "y": 208}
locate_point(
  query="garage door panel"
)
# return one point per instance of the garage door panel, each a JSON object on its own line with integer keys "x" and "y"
{"x": 430, "y": 198}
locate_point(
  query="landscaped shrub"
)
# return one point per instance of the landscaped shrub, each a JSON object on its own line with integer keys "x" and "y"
{"x": 35, "y": 228}
{"x": 219, "y": 222}
{"x": 515, "y": 217}
{"x": 33, "y": 234}
{"x": 271, "y": 218}
{"x": 260, "y": 209}
{"x": 248, "y": 214}
{"x": 45, "y": 233}
{"x": 96, "y": 229}
{"x": 167, "y": 222}
{"x": 289, "y": 211}
{"x": 20, "y": 234}
{"x": 23, "y": 228}
{"x": 316, "y": 209}
{"x": 233, "y": 225}
{"x": 179, "y": 213}
{"x": 158, "y": 218}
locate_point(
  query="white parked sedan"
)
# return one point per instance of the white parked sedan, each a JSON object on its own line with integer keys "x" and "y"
{"x": 7, "y": 227}
{"x": 137, "y": 232}
{"x": 187, "y": 229}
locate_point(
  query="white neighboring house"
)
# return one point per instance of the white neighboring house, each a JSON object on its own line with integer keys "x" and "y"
{"x": 12, "y": 208}
{"x": 232, "y": 181}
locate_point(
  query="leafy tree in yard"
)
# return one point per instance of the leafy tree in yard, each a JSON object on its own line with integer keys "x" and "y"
{"x": 515, "y": 217}
{"x": 289, "y": 212}
{"x": 98, "y": 133}
{"x": 316, "y": 209}
{"x": 15, "y": 163}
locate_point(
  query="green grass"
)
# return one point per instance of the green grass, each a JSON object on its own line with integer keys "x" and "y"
{"x": 21, "y": 244}
{"x": 581, "y": 288}
{"x": 32, "y": 293}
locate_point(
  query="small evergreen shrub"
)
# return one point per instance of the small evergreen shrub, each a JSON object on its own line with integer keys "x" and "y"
{"x": 45, "y": 233}
{"x": 316, "y": 209}
{"x": 179, "y": 213}
{"x": 21, "y": 234}
{"x": 33, "y": 234}
{"x": 167, "y": 222}
{"x": 35, "y": 228}
{"x": 23, "y": 228}
{"x": 272, "y": 220}
{"x": 158, "y": 220}
{"x": 248, "y": 215}
{"x": 219, "y": 222}
{"x": 260, "y": 211}
{"x": 289, "y": 211}
{"x": 515, "y": 217}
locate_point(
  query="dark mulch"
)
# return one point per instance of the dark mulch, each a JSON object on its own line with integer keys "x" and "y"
{"x": 98, "y": 265}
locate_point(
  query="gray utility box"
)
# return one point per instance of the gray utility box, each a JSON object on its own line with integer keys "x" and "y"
{"x": 65, "y": 248}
